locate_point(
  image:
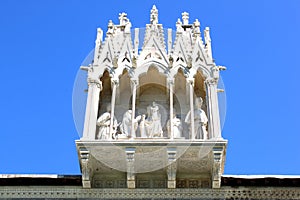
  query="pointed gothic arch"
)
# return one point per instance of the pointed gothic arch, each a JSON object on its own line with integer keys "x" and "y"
{"x": 106, "y": 92}
{"x": 199, "y": 85}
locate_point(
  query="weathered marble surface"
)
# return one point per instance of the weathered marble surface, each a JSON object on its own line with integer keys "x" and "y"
{"x": 145, "y": 162}
{"x": 76, "y": 192}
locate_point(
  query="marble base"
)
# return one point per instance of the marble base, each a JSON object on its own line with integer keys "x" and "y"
{"x": 131, "y": 184}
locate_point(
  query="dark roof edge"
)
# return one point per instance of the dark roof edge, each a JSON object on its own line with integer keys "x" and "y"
{"x": 75, "y": 180}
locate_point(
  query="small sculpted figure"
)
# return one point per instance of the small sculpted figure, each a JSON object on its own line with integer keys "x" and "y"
{"x": 177, "y": 128}
{"x": 123, "y": 18}
{"x": 125, "y": 127}
{"x": 104, "y": 124}
{"x": 143, "y": 127}
{"x": 154, "y": 121}
{"x": 124, "y": 21}
{"x": 200, "y": 120}
{"x": 185, "y": 18}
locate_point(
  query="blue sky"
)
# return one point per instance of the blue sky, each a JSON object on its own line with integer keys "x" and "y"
{"x": 43, "y": 43}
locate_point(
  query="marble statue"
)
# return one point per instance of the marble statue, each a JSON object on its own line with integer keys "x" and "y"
{"x": 104, "y": 124}
{"x": 126, "y": 124}
{"x": 177, "y": 128}
{"x": 143, "y": 127}
{"x": 154, "y": 128}
{"x": 200, "y": 120}
{"x": 185, "y": 18}
{"x": 123, "y": 18}
{"x": 124, "y": 21}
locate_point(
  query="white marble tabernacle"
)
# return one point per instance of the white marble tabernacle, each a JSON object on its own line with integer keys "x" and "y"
{"x": 152, "y": 89}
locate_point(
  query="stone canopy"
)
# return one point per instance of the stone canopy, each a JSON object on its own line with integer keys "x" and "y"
{"x": 152, "y": 114}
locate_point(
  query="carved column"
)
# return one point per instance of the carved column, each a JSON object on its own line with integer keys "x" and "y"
{"x": 216, "y": 168}
{"x": 134, "y": 83}
{"x": 94, "y": 88}
{"x": 115, "y": 84}
{"x": 171, "y": 86}
{"x": 191, "y": 91}
{"x": 130, "y": 167}
{"x": 172, "y": 167}
{"x": 213, "y": 109}
{"x": 85, "y": 168}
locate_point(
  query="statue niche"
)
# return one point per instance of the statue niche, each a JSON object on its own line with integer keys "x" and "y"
{"x": 105, "y": 94}
{"x": 200, "y": 120}
{"x": 152, "y": 100}
{"x": 151, "y": 117}
{"x": 153, "y": 125}
{"x": 199, "y": 88}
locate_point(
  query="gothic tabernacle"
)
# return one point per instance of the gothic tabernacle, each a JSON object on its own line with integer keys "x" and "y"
{"x": 152, "y": 115}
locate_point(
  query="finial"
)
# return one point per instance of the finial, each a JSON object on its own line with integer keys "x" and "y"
{"x": 197, "y": 23}
{"x": 154, "y": 15}
{"x": 208, "y": 42}
{"x": 206, "y": 34}
{"x": 185, "y": 18}
{"x": 178, "y": 22}
{"x": 99, "y": 35}
{"x": 110, "y": 27}
{"x": 196, "y": 26}
{"x": 179, "y": 28}
{"x": 110, "y": 23}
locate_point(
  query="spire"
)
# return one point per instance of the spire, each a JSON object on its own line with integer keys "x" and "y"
{"x": 154, "y": 15}
{"x": 207, "y": 42}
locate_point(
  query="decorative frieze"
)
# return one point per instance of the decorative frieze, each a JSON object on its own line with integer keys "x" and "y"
{"x": 67, "y": 192}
